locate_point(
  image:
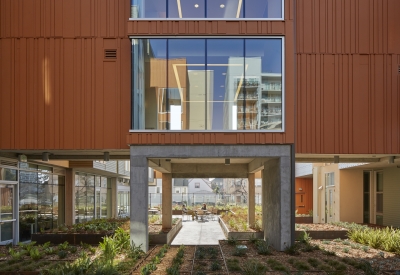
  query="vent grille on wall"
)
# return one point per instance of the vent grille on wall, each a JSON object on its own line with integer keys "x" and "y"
{"x": 110, "y": 54}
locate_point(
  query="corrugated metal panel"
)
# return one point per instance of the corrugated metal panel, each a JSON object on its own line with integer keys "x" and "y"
{"x": 348, "y": 26}
{"x": 391, "y": 202}
{"x": 193, "y": 27}
{"x": 62, "y": 101}
{"x": 347, "y": 82}
{"x": 149, "y": 138}
{"x": 68, "y": 18}
{"x": 348, "y": 104}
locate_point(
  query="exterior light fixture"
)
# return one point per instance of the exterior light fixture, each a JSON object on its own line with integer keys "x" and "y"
{"x": 196, "y": 6}
{"x": 222, "y": 6}
{"x": 45, "y": 156}
{"x": 320, "y": 188}
{"x": 106, "y": 156}
{"x": 227, "y": 161}
{"x": 336, "y": 159}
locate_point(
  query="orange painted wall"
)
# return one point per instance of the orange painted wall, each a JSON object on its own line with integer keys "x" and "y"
{"x": 348, "y": 81}
{"x": 306, "y": 192}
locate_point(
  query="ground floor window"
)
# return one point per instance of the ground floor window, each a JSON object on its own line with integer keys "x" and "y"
{"x": 92, "y": 197}
{"x": 123, "y": 198}
{"x": 41, "y": 199}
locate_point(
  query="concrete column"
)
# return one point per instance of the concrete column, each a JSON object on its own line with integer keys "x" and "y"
{"x": 166, "y": 200}
{"x": 114, "y": 198}
{"x": 251, "y": 215}
{"x": 139, "y": 196}
{"x": 69, "y": 196}
{"x": 277, "y": 206}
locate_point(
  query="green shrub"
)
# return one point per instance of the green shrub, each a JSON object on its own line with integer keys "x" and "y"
{"x": 292, "y": 250}
{"x": 240, "y": 252}
{"x": 62, "y": 254}
{"x": 254, "y": 267}
{"x": 215, "y": 266}
{"x": 232, "y": 241}
{"x": 16, "y": 256}
{"x": 300, "y": 265}
{"x": 313, "y": 262}
{"x": 233, "y": 265}
{"x": 109, "y": 249}
{"x": 263, "y": 247}
{"x": 35, "y": 253}
{"x": 63, "y": 246}
{"x": 135, "y": 252}
{"x": 304, "y": 237}
{"x": 275, "y": 265}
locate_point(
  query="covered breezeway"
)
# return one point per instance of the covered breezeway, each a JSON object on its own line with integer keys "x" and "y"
{"x": 197, "y": 161}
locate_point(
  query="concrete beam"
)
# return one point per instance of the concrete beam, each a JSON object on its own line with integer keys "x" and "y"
{"x": 257, "y": 164}
{"x": 341, "y": 160}
{"x": 211, "y": 151}
{"x": 190, "y": 170}
{"x": 160, "y": 165}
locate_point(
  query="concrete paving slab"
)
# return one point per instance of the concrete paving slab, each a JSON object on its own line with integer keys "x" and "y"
{"x": 199, "y": 233}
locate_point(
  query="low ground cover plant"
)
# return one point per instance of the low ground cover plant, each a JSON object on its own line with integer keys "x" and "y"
{"x": 387, "y": 239}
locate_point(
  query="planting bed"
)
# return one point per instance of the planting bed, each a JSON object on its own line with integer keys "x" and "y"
{"x": 334, "y": 257}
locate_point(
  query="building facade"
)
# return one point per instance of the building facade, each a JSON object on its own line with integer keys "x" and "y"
{"x": 212, "y": 89}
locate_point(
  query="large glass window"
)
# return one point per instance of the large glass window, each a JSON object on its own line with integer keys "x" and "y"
{"x": 41, "y": 199}
{"x": 207, "y": 84}
{"x": 92, "y": 197}
{"x": 216, "y": 9}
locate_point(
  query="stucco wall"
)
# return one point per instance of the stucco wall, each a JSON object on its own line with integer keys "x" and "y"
{"x": 391, "y": 201}
{"x": 351, "y": 195}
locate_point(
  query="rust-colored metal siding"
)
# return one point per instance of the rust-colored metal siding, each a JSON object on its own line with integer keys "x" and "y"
{"x": 57, "y": 89}
{"x": 348, "y": 84}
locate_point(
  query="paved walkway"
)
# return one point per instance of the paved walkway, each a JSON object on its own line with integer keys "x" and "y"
{"x": 199, "y": 233}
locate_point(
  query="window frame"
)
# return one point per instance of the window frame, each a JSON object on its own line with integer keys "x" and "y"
{"x": 283, "y": 88}
{"x": 212, "y": 19}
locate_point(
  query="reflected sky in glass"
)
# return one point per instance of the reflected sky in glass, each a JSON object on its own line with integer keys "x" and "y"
{"x": 206, "y": 8}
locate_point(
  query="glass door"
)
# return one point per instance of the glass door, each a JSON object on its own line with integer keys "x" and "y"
{"x": 379, "y": 198}
{"x": 329, "y": 197}
{"x": 6, "y": 213}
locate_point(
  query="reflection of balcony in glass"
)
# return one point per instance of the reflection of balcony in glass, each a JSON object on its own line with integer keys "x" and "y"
{"x": 271, "y": 102}
{"x": 247, "y": 102}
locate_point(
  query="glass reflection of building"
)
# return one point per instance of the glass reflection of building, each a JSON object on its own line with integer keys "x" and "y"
{"x": 208, "y": 84}
{"x": 41, "y": 199}
{"x": 92, "y": 197}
